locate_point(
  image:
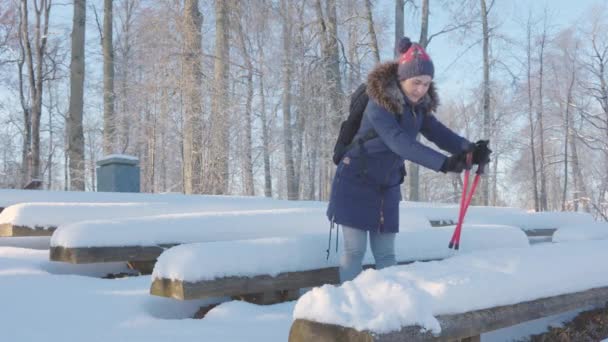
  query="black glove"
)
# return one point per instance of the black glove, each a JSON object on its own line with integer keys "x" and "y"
{"x": 454, "y": 163}
{"x": 481, "y": 153}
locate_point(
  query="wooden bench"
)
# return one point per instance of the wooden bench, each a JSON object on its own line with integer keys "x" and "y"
{"x": 466, "y": 326}
{"x": 266, "y": 288}
{"x": 259, "y": 289}
{"x": 140, "y": 258}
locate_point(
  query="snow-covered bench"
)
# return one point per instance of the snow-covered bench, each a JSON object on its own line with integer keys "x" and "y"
{"x": 459, "y": 298}
{"x": 263, "y": 269}
{"x": 539, "y": 227}
{"x": 39, "y": 218}
{"x": 140, "y": 240}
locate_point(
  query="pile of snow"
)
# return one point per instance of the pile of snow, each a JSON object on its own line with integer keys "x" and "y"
{"x": 204, "y": 261}
{"x": 386, "y": 300}
{"x": 54, "y": 214}
{"x": 589, "y": 231}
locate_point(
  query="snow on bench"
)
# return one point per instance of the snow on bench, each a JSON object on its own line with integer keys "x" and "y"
{"x": 42, "y": 218}
{"x": 577, "y": 232}
{"x": 536, "y": 225}
{"x": 9, "y": 197}
{"x": 266, "y": 266}
{"x": 457, "y": 298}
{"x": 142, "y": 239}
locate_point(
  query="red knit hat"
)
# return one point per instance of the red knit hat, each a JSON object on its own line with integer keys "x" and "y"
{"x": 414, "y": 61}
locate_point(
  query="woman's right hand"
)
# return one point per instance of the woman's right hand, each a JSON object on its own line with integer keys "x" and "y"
{"x": 455, "y": 163}
{"x": 481, "y": 153}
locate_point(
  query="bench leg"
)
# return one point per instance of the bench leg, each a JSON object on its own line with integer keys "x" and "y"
{"x": 202, "y": 311}
{"x": 272, "y": 297}
{"x": 143, "y": 267}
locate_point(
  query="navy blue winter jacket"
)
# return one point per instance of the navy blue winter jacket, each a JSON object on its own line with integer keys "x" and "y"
{"x": 365, "y": 191}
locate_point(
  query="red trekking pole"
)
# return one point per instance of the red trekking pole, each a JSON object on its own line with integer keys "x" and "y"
{"x": 465, "y": 199}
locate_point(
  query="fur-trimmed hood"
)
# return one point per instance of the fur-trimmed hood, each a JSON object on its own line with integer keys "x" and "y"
{"x": 383, "y": 88}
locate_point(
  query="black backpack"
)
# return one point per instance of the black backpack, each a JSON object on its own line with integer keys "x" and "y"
{"x": 350, "y": 126}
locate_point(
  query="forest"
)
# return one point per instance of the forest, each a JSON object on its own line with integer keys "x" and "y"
{"x": 246, "y": 97}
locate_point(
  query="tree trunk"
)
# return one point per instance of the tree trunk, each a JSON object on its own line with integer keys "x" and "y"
{"x": 220, "y": 143}
{"x": 568, "y": 136}
{"x": 193, "y": 111}
{"x": 372, "y": 31}
{"x": 108, "y": 80}
{"x": 27, "y": 116}
{"x": 331, "y": 56}
{"x": 265, "y": 140}
{"x": 541, "y": 133}
{"x": 424, "y": 24}
{"x": 247, "y": 161}
{"x": 34, "y": 60}
{"x": 75, "y": 129}
{"x": 287, "y": 75}
{"x": 485, "y": 189}
{"x": 414, "y": 172}
{"x": 531, "y": 118}
{"x": 399, "y": 23}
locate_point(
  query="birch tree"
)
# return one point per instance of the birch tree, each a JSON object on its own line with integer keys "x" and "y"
{"x": 33, "y": 50}
{"x": 220, "y": 143}
{"x": 75, "y": 129}
{"x": 108, "y": 80}
{"x": 192, "y": 98}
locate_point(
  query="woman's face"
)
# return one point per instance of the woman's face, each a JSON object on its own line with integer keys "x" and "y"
{"x": 416, "y": 87}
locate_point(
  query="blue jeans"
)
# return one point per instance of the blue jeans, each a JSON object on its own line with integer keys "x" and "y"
{"x": 355, "y": 244}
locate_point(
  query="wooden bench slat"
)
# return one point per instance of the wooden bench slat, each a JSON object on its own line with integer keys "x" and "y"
{"x": 10, "y": 230}
{"x": 233, "y": 286}
{"x": 457, "y": 326}
{"x": 87, "y": 255}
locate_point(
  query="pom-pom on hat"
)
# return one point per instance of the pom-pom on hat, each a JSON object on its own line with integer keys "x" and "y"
{"x": 414, "y": 61}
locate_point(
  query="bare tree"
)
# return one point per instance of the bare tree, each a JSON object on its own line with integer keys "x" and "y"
{"x": 531, "y": 121}
{"x": 108, "y": 80}
{"x": 33, "y": 59}
{"x": 247, "y": 161}
{"x": 75, "y": 130}
{"x": 372, "y": 31}
{"x": 399, "y": 23}
{"x": 331, "y": 66}
{"x": 220, "y": 143}
{"x": 485, "y": 189}
{"x": 539, "y": 118}
{"x": 192, "y": 97}
{"x": 286, "y": 38}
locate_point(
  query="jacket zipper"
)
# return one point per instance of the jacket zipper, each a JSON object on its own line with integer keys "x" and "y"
{"x": 414, "y": 113}
{"x": 381, "y": 225}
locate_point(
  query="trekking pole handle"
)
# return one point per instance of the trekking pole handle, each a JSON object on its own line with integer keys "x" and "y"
{"x": 480, "y": 168}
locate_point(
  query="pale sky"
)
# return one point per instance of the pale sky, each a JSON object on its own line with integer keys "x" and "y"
{"x": 455, "y": 74}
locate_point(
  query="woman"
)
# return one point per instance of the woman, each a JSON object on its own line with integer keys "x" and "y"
{"x": 365, "y": 191}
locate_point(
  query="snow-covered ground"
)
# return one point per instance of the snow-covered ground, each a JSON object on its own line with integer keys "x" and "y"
{"x": 43, "y": 300}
